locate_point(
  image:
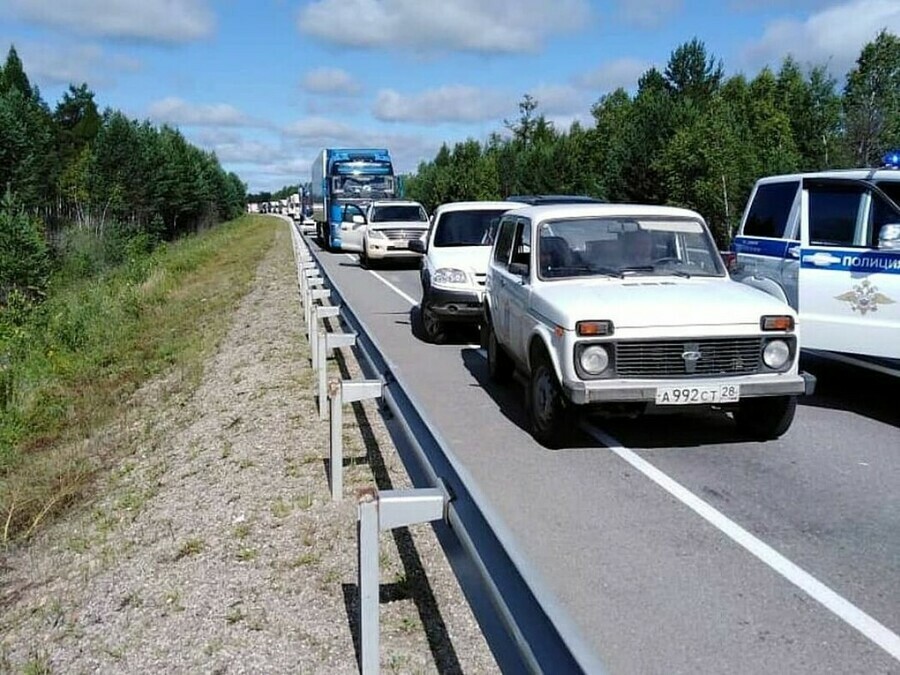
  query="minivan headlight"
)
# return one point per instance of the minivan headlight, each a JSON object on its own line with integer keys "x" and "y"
{"x": 449, "y": 275}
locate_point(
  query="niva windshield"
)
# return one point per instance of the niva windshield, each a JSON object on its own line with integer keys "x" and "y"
{"x": 626, "y": 246}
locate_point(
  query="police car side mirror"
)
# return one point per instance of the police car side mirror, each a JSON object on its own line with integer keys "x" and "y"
{"x": 889, "y": 237}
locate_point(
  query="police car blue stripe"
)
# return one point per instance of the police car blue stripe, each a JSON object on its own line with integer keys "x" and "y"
{"x": 850, "y": 260}
{"x": 770, "y": 248}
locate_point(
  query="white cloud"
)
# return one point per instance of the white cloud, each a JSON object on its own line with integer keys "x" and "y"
{"x": 647, "y": 13}
{"x": 318, "y": 130}
{"x": 558, "y": 99}
{"x": 611, "y": 75}
{"x": 451, "y": 103}
{"x": 145, "y": 20}
{"x": 486, "y": 26}
{"x": 62, "y": 64}
{"x": 330, "y": 81}
{"x": 177, "y": 111}
{"x": 834, "y": 36}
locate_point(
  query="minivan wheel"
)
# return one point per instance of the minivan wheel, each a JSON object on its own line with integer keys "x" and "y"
{"x": 552, "y": 417}
{"x": 500, "y": 366}
{"x": 765, "y": 418}
{"x": 432, "y": 326}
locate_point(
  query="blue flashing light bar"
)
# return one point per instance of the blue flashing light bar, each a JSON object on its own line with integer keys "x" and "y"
{"x": 892, "y": 159}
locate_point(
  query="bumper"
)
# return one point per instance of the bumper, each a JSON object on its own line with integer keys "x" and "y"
{"x": 642, "y": 391}
{"x": 382, "y": 249}
{"x": 456, "y": 305}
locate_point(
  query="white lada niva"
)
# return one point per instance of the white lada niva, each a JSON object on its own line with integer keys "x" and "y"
{"x": 629, "y": 309}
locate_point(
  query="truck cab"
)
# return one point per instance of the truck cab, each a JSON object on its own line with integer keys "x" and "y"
{"x": 828, "y": 243}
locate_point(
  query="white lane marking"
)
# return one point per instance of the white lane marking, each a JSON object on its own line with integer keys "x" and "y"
{"x": 394, "y": 288}
{"x": 877, "y": 632}
{"x": 353, "y": 258}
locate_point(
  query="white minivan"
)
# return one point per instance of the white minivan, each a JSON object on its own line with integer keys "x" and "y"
{"x": 454, "y": 264}
{"x": 829, "y": 244}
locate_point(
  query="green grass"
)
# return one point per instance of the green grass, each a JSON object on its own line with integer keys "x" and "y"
{"x": 67, "y": 366}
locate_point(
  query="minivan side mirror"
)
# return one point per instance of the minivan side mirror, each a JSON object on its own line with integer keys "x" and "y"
{"x": 889, "y": 237}
{"x": 417, "y": 245}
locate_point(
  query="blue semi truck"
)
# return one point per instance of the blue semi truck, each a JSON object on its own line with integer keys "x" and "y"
{"x": 341, "y": 176}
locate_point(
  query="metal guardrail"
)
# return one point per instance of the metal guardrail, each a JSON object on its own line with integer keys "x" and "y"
{"x": 522, "y": 622}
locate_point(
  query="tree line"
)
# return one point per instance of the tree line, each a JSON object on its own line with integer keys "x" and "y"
{"x": 73, "y": 173}
{"x": 688, "y": 136}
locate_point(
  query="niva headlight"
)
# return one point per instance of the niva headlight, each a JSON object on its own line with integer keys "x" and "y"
{"x": 594, "y": 359}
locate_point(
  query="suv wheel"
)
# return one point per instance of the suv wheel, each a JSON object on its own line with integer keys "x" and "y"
{"x": 500, "y": 366}
{"x": 364, "y": 261}
{"x": 432, "y": 326}
{"x": 552, "y": 419}
{"x": 765, "y": 418}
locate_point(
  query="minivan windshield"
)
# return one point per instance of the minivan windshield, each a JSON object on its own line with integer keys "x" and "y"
{"x": 466, "y": 228}
{"x": 626, "y": 246}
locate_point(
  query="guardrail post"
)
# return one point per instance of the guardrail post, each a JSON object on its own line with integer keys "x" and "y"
{"x": 311, "y": 297}
{"x": 327, "y": 342}
{"x": 367, "y": 580}
{"x": 377, "y": 512}
{"x": 339, "y": 393}
{"x": 319, "y": 312}
{"x": 302, "y": 269}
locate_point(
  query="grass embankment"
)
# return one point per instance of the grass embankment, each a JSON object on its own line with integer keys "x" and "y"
{"x": 68, "y": 366}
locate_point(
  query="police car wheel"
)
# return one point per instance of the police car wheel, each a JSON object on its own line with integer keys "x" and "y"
{"x": 765, "y": 418}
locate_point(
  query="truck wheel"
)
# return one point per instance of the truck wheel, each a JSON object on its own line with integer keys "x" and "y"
{"x": 551, "y": 415}
{"x": 432, "y": 327}
{"x": 500, "y": 366}
{"x": 765, "y": 418}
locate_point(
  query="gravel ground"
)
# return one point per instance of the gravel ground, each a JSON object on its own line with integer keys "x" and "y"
{"x": 214, "y": 546}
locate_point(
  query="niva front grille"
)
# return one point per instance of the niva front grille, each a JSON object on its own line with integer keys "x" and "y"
{"x": 688, "y": 358}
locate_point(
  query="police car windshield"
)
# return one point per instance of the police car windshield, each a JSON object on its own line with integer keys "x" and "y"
{"x": 627, "y": 246}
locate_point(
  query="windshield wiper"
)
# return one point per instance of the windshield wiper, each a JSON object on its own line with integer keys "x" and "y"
{"x": 653, "y": 268}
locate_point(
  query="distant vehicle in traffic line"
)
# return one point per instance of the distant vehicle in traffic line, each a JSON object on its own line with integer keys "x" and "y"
{"x": 828, "y": 243}
{"x": 454, "y": 264}
{"x": 628, "y": 309}
{"x": 341, "y": 176}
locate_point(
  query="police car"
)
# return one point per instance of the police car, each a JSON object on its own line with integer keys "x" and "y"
{"x": 828, "y": 243}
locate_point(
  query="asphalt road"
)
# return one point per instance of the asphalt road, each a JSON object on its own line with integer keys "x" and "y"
{"x": 674, "y": 546}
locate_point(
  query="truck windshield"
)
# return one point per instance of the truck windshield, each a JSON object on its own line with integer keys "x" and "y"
{"x": 626, "y": 246}
{"x": 363, "y": 185}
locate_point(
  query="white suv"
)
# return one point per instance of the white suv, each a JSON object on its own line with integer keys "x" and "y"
{"x": 828, "y": 243}
{"x": 383, "y": 230}
{"x": 456, "y": 253}
{"x": 629, "y": 308}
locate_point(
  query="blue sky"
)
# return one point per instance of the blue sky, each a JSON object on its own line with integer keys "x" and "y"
{"x": 267, "y": 83}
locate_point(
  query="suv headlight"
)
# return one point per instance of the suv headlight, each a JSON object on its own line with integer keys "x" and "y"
{"x": 376, "y": 234}
{"x": 776, "y": 354}
{"x": 594, "y": 359}
{"x": 449, "y": 275}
